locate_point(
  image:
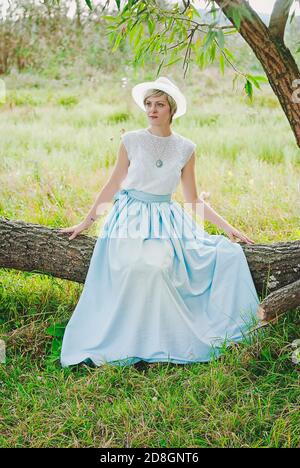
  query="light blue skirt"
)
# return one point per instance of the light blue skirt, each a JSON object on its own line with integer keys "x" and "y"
{"x": 159, "y": 288}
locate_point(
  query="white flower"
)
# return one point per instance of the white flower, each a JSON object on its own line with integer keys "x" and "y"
{"x": 296, "y": 356}
{"x": 296, "y": 343}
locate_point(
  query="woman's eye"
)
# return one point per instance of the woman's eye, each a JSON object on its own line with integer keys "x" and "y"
{"x": 160, "y": 104}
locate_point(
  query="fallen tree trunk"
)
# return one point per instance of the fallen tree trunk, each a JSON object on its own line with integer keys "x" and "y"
{"x": 275, "y": 268}
{"x": 282, "y": 300}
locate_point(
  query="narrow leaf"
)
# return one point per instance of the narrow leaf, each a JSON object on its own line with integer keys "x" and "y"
{"x": 249, "y": 89}
{"x": 222, "y": 63}
{"x": 89, "y": 4}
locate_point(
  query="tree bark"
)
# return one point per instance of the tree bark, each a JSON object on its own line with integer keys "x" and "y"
{"x": 279, "y": 17}
{"x": 279, "y": 64}
{"x": 275, "y": 268}
{"x": 282, "y": 300}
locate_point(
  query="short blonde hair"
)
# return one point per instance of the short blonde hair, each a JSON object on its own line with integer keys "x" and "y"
{"x": 158, "y": 92}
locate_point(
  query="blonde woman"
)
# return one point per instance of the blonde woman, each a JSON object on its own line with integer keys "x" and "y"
{"x": 159, "y": 287}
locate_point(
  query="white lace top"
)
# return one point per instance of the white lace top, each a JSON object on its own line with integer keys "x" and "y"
{"x": 144, "y": 171}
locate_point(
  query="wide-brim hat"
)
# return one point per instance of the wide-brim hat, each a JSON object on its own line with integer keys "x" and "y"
{"x": 164, "y": 84}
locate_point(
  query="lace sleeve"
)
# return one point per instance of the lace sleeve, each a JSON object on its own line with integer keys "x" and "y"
{"x": 189, "y": 148}
{"x": 126, "y": 140}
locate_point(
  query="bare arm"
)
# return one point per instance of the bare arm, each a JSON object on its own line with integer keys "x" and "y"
{"x": 105, "y": 195}
{"x": 112, "y": 185}
{"x": 199, "y": 206}
{"x": 188, "y": 181}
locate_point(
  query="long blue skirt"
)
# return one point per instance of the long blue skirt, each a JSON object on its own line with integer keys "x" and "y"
{"x": 159, "y": 288}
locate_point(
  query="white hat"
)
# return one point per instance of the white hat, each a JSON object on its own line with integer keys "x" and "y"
{"x": 164, "y": 84}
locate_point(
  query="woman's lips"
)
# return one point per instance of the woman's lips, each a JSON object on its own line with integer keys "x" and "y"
{"x": 153, "y": 116}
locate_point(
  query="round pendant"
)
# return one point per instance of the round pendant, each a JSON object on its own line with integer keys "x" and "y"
{"x": 159, "y": 163}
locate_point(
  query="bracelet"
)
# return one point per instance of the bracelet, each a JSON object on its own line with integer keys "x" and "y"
{"x": 93, "y": 219}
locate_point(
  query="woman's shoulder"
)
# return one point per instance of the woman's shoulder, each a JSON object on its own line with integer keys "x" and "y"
{"x": 183, "y": 137}
{"x": 133, "y": 132}
{"x": 187, "y": 141}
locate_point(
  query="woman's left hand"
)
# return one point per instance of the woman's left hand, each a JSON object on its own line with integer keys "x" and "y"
{"x": 234, "y": 233}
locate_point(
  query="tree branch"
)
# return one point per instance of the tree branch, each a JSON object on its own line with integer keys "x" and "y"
{"x": 279, "y": 17}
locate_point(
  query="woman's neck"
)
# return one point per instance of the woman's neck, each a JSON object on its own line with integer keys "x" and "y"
{"x": 160, "y": 131}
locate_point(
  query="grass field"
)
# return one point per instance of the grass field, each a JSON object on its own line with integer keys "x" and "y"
{"x": 59, "y": 141}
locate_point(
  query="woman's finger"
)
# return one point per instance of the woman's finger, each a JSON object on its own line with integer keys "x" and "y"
{"x": 248, "y": 240}
{"x": 241, "y": 236}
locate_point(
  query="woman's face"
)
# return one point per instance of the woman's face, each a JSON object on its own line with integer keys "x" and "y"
{"x": 158, "y": 110}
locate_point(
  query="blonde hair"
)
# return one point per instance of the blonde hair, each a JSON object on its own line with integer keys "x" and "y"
{"x": 158, "y": 92}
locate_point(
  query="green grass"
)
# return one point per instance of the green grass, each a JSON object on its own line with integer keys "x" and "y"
{"x": 247, "y": 398}
{"x": 58, "y": 148}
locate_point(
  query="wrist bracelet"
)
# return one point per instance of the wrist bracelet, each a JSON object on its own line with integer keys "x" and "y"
{"x": 93, "y": 219}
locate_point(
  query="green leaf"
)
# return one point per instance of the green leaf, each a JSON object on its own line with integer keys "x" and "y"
{"x": 117, "y": 42}
{"x": 256, "y": 79}
{"x": 236, "y": 18}
{"x": 118, "y": 3}
{"x": 222, "y": 63}
{"x": 239, "y": 12}
{"x": 249, "y": 89}
{"x": 235, "y": 80}
{"x": 109, "y": 17}
{"x": 293, "y": 16}
{"x": 89, "y": 4}
{"x": 57, "y": 329}
{"x": 213, "y": 10}
{"x": 56, "y": 347}
{"x": 133, "y": 31}
{"x": 212, "y": 52}
{"x": 160, "y": 66}
{"x": 139, "y": 34}
{"x": 172, "y": 62}
{"x": 231, "y": 31}
{"x": 210, "y": 36}
{"x": 230, "y": 55}
{"x": 201, "y": 59}
{"x": 253, "y": 80}
{"x": 195, "y": 11}
{"x": 220, "y": 38}
{"x": 262, "y": 78}
{"x": 151, "y": 26}
{"x": 129, "y": 4}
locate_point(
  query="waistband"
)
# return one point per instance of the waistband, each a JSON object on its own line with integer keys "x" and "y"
{"x": 143, "y": 196}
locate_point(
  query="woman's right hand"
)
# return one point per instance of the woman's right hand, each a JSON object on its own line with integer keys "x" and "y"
{"x": 76, "y": 229}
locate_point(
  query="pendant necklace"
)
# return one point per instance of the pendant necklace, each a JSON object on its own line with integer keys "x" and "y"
{"x": 159, "y": 162}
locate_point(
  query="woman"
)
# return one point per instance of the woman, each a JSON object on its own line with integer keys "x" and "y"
{"x": 159, "y": 288}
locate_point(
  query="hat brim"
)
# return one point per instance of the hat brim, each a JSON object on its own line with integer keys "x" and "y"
{"x": 138, "y": 93}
